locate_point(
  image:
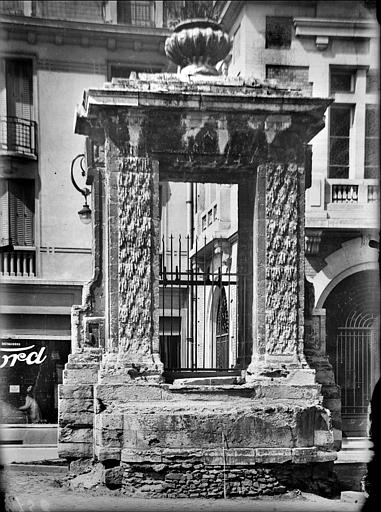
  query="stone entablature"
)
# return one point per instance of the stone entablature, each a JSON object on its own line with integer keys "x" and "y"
{"x": 223, "y": 127}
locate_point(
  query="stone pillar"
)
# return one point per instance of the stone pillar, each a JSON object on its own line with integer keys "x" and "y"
{"x": 316, "y": 356}
{"x": 138, "y": 266}
{"x": 246, "y": 198}
{"x": 133, "y": 268}
{"x": 279, "y": 273}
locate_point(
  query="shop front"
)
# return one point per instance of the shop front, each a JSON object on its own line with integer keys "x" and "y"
{"x": 35, "y": 344}
{"x": 31, "y": 370}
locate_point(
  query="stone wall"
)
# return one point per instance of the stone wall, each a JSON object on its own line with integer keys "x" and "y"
{"x": 190, "y": 478}
{"x": 186, "y": 475}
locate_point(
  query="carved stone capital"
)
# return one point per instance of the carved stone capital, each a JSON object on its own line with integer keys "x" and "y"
{"x": 312, "y": 241}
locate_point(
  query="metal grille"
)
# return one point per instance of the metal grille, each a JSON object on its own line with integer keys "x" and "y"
{"x": 354, "y": 369}
{"x": 198, "y": 308}
{"x": 18, "y": 135}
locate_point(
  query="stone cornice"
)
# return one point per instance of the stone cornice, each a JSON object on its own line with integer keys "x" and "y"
{"x": 78, "y": 32}
{"x": 338, "y": 28}
{"x": 213, "y": 96}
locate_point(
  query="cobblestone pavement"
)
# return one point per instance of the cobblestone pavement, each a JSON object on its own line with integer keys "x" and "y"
{"x": 41, "y": 490}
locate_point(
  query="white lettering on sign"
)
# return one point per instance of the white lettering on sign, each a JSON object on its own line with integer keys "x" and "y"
{"x": 22, "y": 354}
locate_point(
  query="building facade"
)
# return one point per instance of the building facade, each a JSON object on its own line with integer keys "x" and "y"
{"x": 50, "y": 53}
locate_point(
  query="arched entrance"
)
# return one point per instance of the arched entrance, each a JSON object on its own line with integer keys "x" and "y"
{"x": 353, "y": 345}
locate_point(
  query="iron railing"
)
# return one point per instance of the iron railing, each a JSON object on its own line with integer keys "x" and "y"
{"x": 199, "y": 320}
{"x": 18, "y": 135}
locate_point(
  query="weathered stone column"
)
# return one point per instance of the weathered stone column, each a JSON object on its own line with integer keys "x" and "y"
{"x": 279, "y": 272}
{"x": 138, "y": 194}
{"x": 133, "y": 268}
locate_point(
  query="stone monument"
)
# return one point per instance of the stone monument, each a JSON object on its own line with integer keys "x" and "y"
{"x": 118, "y": 418}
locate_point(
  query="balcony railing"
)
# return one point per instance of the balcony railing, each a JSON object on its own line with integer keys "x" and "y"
{"x": 13, "y": 7}
{"x": 373, "y": 193}
{"x": 18, "y": 135}
{"x": 345, "y": 193}
{"x": 21, "y": 262}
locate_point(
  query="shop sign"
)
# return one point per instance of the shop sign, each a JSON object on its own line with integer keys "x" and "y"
{"x": 30, "y": 355}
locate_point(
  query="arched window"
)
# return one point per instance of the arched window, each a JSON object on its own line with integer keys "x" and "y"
{"x": 222, "y": 332}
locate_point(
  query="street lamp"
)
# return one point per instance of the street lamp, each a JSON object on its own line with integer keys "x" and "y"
{"x": 85, "y": 212}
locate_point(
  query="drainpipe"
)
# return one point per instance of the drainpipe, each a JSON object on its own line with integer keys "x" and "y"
{"x": 189, "y": 202}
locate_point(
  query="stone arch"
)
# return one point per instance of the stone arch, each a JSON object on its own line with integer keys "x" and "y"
{"x": 353, "y": 256}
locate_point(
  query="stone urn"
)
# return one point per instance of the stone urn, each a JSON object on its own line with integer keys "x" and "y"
{"x": 197, "y": 45}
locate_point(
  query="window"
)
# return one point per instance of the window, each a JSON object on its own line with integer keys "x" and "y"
{"x": 139, "y": 13}
{"x": 287, "y": 74}
{"x": 340, "y": 118}
{"x": 124, "y": 71}
{"x": 18, "y": 131}
{"x": 371, "y": 142}
{"x": 120, "y": 71}
{"x": 372, "y": 81}
{"x": 342, "y": 80}
{"x": 44, "y": 376}
{"x": 19, "y": 87}
{"x": 222, "y": 332}
{"x": 278, "y": 32}
{"x": 17, "y": 212}
{"x": 13, "y": 7}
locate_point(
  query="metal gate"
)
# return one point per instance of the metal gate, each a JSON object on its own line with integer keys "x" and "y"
{"x": 354, "y": 373}
{"x": 199, "y": 324}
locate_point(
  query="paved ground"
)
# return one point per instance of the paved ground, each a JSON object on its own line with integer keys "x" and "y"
{"x": 38, "y": 489}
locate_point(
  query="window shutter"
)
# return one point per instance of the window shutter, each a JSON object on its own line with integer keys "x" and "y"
{"x": 4, "y": 213}
{"x": 21, "y": 211}
{"x": 124, "y": 12}
{"x": 29, "y": 213}
{"x": 3, "y": 91}
{"x": 12, "y": 209}
{"x": 19, "y": 84}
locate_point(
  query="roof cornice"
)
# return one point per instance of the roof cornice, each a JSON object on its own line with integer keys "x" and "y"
{"x": 339, "y": 28}
{"x": 80, "y": 28}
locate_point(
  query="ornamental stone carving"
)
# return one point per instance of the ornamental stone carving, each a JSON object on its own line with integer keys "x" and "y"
{"x": 197, "y": 46}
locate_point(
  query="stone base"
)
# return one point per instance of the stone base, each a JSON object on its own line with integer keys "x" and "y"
{"x": 170, "y": 440}
{"x": 186, "y": 475}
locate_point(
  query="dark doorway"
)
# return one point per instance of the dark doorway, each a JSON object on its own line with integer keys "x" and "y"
{"x": 353, "y": 346}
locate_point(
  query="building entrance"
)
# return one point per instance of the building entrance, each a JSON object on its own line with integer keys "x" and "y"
{"x": 353, "y": 346}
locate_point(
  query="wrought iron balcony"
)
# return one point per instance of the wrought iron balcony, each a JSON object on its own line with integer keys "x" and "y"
{"x": 18, "y": 135}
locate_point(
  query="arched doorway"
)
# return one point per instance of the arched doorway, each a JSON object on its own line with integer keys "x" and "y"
{"x": 222, "y": 332}
{"x": 353, "y": 345}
